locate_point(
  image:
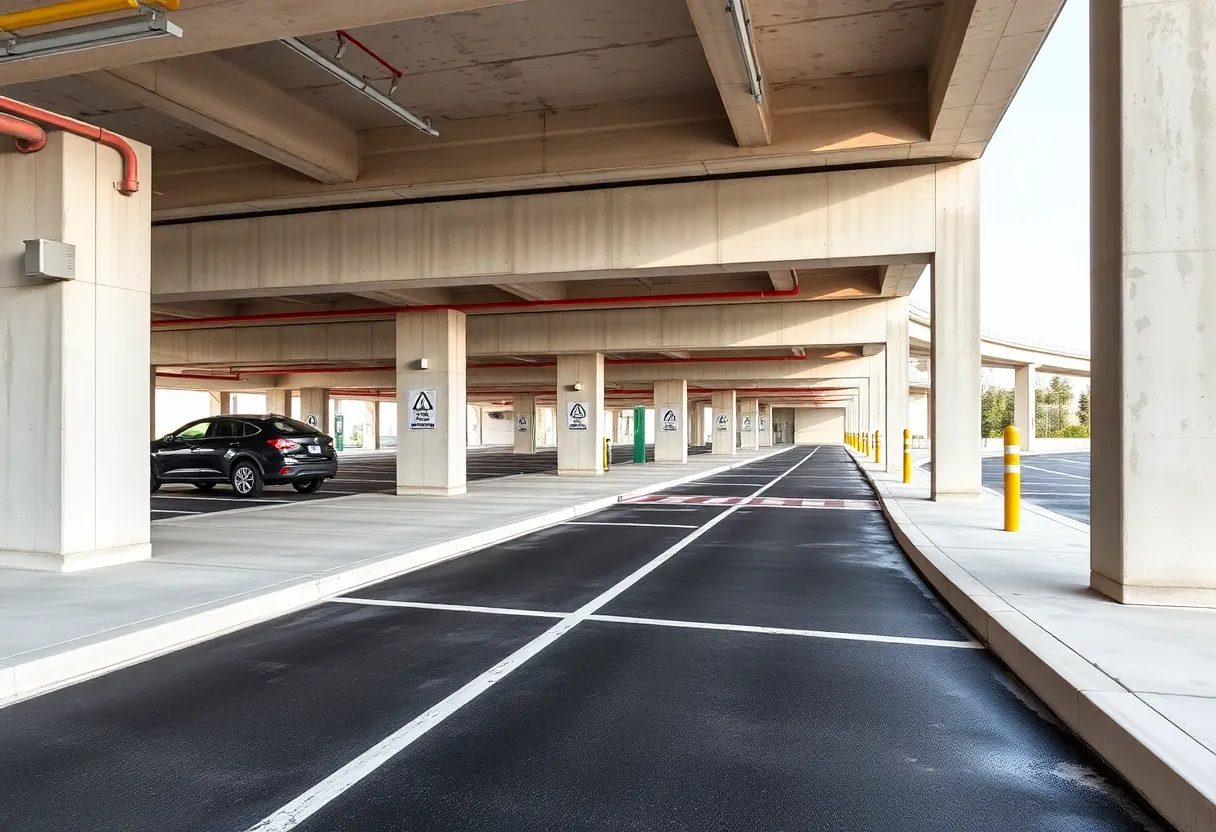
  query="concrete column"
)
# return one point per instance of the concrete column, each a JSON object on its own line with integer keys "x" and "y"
{"x": 221, "y": 403}
{"x": 724, "y": 422}
{"x": 954, "y": 395}
{"x": 878, "y": 397}
{"x": 704, "y": 413}
{"x": 152, "y": 403}
{"x": 1153, "y": 268}
{"x": 580, "y": 415}
{"x": 525, "y": 424}
{"x": 314, "y": 407}
{"x": 897, "y": 383}
{"x": 766, "y": 426}
{"x": 749, "y": 424}
{"x": 73, "y": 358}
{"x": 376, "y": 414}
{"x": 671, "y": 432}
{"x": 278, "y": 401}
{"x": 1023, "y": 403}
{"x": 431, "y": 405}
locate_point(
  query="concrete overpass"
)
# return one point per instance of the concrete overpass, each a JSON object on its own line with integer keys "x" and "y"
{"x": 663, "y": 198}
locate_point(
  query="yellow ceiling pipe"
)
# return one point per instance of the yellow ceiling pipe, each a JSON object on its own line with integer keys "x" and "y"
{"x": 73, "y": 10}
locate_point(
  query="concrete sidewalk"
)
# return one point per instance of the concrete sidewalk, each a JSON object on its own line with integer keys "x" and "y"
{"x": 214, "y": 573}
{"x": 1137, "y": 683}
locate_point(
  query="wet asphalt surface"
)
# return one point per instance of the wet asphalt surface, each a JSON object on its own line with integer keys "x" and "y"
{"x": 774, "y": 669}
{"x": 1059, "y": 482}
{"x": 366, "y": 473}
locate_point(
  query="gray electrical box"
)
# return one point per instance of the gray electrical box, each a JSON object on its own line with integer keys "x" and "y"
{"x": 50, "y": 259}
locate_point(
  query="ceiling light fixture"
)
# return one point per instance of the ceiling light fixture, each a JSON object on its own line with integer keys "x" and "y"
{"x": 305, "y": 50}
{"x": 150, "y": 23}
{"x": 738, "y": 14}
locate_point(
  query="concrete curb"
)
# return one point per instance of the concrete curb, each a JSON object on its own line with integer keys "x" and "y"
{"x": 49, "y": 669}
{"x": 1173, "y": 772}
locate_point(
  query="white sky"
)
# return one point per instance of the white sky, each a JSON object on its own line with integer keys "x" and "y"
{"x": 1035, "y": 199}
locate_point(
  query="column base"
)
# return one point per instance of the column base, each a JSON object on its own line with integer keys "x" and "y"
{"x": 952, "y": 496}
{"x": 74, "y": 561}
{"x": 580, "y": 472}
{"x": 431, "y": 490}
{"x": 1160, "y": 596}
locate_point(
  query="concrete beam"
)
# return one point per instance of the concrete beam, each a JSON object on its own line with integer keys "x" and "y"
{"x": 220, "y": 98}
{"x": 751, "y": 120}
{"x": 783, "y": 280}
{"x": 981, "y": 54}
{"x": 813, "y": 220}
{"x": 551, "y": 290}
{"x": 830, "y": 122}
{"x": 213, "y": 26}
{"x": 773, "y": 325}
{"x": 412, "y": 296}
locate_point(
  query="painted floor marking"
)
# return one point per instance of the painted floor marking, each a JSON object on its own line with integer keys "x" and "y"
{"x": 332, "y": 787}
{"x": 420, "y": 605}
{"x": 786, "y": 631}
{"x": 1057, "y": 473}
{"x": 173, "y": 511}
{"x": 753, "y": 502}
{"x": 202, "y": 495}
{"x": 967, "y": 644}
{"x": 638, "y": 525}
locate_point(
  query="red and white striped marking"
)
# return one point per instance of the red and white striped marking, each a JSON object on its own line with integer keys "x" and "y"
{"x": 759, "y": 502}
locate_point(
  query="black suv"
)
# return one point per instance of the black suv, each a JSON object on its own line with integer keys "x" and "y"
{"x": 246, "y": 451}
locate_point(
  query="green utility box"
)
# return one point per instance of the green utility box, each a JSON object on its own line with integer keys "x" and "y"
{"x": 340, "y": 432}
{"x": 639, "y": 434}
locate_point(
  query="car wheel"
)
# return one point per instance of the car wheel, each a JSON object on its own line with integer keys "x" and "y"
{"x": 246, "y": 480}
{"x": 155, "y": 482}
{"x": 204, "y": 486}
{"x": 307, "y": 486}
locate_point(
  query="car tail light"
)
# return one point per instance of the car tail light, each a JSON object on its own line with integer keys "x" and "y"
{"x": 284, "y": 470}
{"x": 283, "y": 444}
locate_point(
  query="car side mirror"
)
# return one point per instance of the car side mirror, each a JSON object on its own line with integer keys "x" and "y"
{"x": 168, "y": 437}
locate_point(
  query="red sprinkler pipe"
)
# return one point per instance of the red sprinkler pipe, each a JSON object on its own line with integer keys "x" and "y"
{"x": 29, "y": 137}
{"x": 382, "y": 311}
{"x": 130, "y": 164}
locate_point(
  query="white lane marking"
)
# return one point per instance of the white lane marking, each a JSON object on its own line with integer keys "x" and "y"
{"x": 786, "y": 631}
{"x": 215, "y": 498}
{"x": 173, "y": 511}
{"x": 333, "y": 786}
{"x": 668, "y": 622}
{"x": 345, "y": 479}
{"x": 1058, "y": 473}
{"x": 638, "y": 525}
{"x": 1066, "y": 459}
{"x": 422, "y": 605}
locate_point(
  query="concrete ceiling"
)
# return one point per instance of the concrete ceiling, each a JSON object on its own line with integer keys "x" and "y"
{"x": 539, "y": 93}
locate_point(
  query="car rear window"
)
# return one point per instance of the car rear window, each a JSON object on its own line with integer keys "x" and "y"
{"x": 290, "y": 427}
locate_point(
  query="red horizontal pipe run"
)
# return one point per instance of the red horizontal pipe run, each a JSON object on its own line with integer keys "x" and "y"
{"x": 276, "y": 371}
{"x": 396, "y": 72}
{"x": 380, "y": 312}
{"x": 29, "y": 137}
{"x": 200, "y": 377}
{"x": 130, "y": 164}
{"x": 706, "y": 359}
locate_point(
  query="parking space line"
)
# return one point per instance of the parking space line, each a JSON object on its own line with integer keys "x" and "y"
{"x": 638, "y": 525}
{"x": 218, "y": 499}
{"x": 173, "y": 511}
{"x": 421, "y": 605}
{"x": 332, "y": 787}
{"x": 785, "y": 631}
{"x": 1057, "y": 473}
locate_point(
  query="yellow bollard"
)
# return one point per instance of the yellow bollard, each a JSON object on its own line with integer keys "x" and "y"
{"x": 907, "y": 455}
{"x": 1013, "y": 480}
{"x": 865, "y": 444}
{"x": 877, "y": 446}
{"x": 607, "y": 454}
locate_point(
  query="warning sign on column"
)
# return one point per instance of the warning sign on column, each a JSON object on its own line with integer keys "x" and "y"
{"x": 576, "y": 415}
{"x": 670, "y": 423}
{"x": 522, "y": 424}
{"x": 723, "y": 422}
{"x": 747, "y": 424}
{"x": 422, "y": 409}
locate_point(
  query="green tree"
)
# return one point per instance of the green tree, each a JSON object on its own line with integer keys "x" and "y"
{"x": 1052, "y": 407}
{"x": 996, "y": 411}
{"x": 1083, "y": 408}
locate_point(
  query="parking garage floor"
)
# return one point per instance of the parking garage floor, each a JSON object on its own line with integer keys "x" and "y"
{"x": 750, "y": 651}
{"x": 1059, "y": 482}
{"x": 372, "y": 472}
